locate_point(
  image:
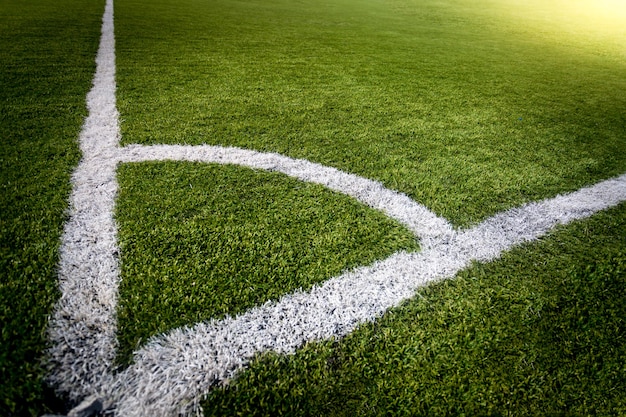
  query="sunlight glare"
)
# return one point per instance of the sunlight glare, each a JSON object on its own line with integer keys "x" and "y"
{"x": 601, "y": 15}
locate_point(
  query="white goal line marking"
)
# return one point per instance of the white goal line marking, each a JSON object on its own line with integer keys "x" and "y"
{"x": 172, "y": 372}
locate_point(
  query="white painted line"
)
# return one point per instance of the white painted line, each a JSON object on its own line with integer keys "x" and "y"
{"x": 172, "y": 372}
{"x": 416, "y": 217}
{"x": 82, "y": 329}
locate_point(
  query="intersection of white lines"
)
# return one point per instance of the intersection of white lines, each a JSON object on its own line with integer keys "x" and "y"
{"x": 172, "y": 372}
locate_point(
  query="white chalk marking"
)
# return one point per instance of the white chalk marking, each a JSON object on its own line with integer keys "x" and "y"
{"x": 82, "y": 329}
{"x": 417, "y": 218}
{"x": 172, "y": 372}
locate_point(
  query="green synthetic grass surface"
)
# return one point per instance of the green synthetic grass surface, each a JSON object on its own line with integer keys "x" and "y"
{"x": 463, "y": 106}
{"x": 541, "y": 332}
{"x": 469, "y": 107}
{"x": 47, "y": 52}
{"x": 224, "y": 239}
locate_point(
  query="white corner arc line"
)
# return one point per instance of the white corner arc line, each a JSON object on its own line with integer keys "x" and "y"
{"x": 174, "y": 370}
{"x": 422, "y": 222}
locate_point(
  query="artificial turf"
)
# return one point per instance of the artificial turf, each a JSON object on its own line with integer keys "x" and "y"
{"x": 469, "y": 107}
{"x": 224, "y": 239}
{"x": 541, "y": 331}
{"x": 47, "y": 52}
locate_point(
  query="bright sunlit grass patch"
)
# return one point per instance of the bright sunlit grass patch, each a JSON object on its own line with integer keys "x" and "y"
{"x": 598, "y": 25}
{"x": 607, "y": 16}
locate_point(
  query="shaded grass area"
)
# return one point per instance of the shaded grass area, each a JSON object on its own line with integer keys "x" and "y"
{"x": 47, "y": 51}
{"x": 468, "y": 107}
{"x": 539, "y": 332}
{"x": 201, "y": 241}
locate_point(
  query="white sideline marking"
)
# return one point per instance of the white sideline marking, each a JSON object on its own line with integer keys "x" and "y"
{"x": 82, "y": 329}
{"x": 172, "y": 372}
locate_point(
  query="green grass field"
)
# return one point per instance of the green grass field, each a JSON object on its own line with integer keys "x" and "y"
{"x": 47, "y": 51}
{"x": 468, "y": 107}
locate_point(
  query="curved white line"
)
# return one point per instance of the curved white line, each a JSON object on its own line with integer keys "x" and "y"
{"x": 82, "y": 329}
{"x": 422, "y": 222}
